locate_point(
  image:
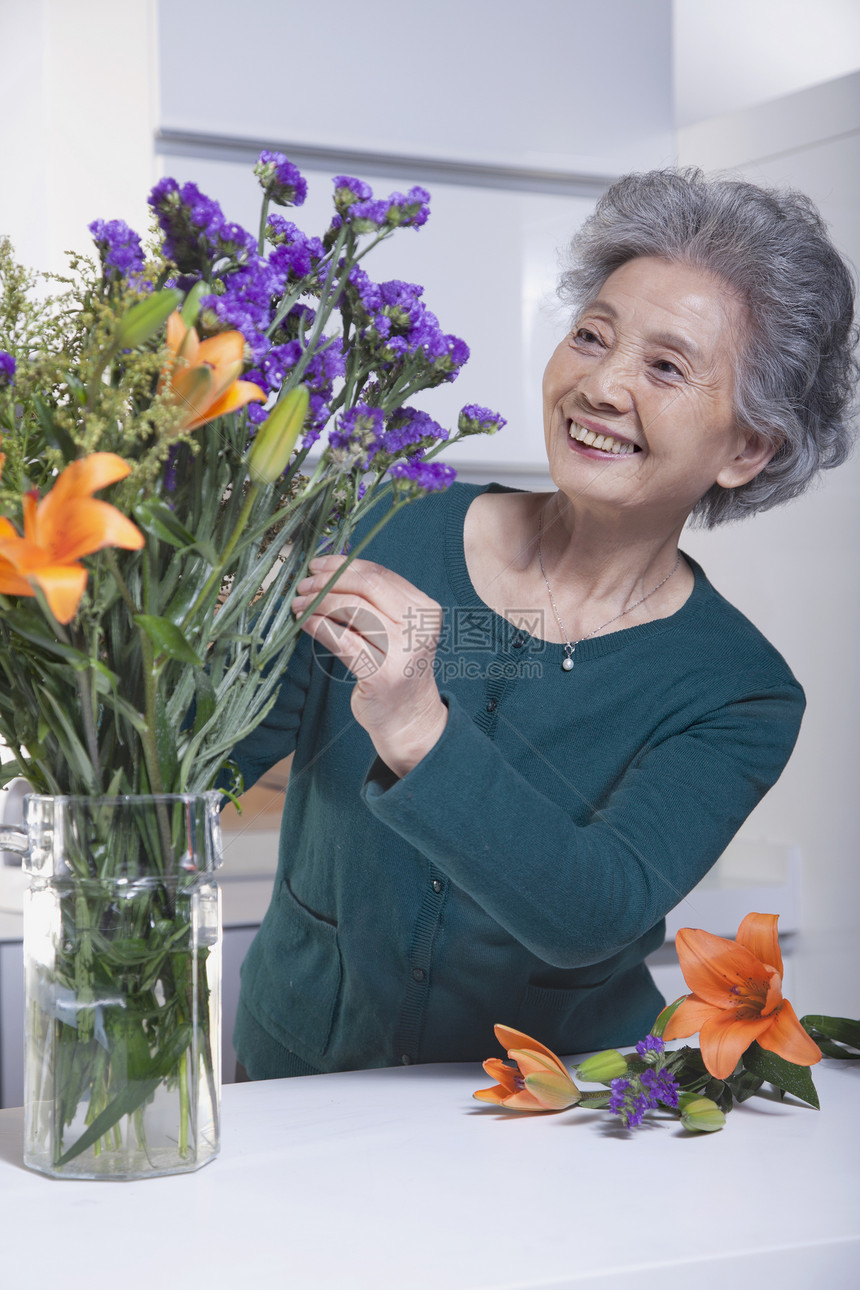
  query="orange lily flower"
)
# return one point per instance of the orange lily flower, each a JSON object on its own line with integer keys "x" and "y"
{"x": 538, "y": 1081}
{"x": 737, "y": 997}
{"x": 201, "y": 376}
{"x": 66, "y": 524}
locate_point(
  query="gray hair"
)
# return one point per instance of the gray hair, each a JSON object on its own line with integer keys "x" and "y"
{"x": 797, "y": 369}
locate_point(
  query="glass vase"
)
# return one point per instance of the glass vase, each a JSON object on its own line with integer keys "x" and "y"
{"x": 122, "y": 950}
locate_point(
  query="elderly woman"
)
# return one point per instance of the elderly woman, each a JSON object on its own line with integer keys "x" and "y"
{"x": 543, "y": 749}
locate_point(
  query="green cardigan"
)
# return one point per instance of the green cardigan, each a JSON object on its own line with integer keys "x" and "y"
{"x": 521, "y": 872}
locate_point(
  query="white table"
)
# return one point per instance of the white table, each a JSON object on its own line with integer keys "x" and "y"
{"x": 397, "y": 1180}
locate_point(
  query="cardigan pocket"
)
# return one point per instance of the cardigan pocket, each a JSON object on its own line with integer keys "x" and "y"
{"x": 304, "y": 966}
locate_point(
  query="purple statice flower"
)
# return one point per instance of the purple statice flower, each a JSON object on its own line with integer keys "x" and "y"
{"x": 295, "y": 256}
{"x": 620, "y": 1088}
{"x": 650, "y": 1044}
{"x": 236, "y": 242}
{"x": 280, "y": 180}
{"x": 408, "y": 427}
{"x": 358, "y": 436}
{"x": 477, "y": 420}
{"x": 244, "y": 301}
{"x": 192, "y": 224}
{"x": 631, "y": 1098}
{"x": 348, "y": 191}
{"x": 119, "y": 246}
{"x": 367, "y": 216}
{"x": 448, "y": 354}
{"x": 423, "y": 476}
{"x": 409, "y": 211}
{"x": 7, "y": 369}
{"x": 368, "y": 293}
{"x": 257, "y": 412}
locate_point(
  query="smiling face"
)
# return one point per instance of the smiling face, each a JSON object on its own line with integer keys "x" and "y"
{"x": 639, "y": 399}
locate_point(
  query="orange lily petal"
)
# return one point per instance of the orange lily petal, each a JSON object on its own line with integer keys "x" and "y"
{"x": 84, "y": 477}
{"x": 88, "y": 525}
{"x": 788, "y": 1039}
{"x": 725, "y": 1037}
{"x": 510, "y": 1038}
{"x": 7, "y": 528}
{"x": 11, "y": 582}
{"x": 499, "y": 1070}
{"x": 182, "y": 341}
{"x": 757, "y": 933}
{"x": 552, "y": 1090}
{"x": 494, "y": 1094}
{"x": 239, "y": 393}
{"x": 689, "y": 1018}
{"x": 226, "y": 348}
{"x": 717, "y": 970}
{"x": 63, "y": 585}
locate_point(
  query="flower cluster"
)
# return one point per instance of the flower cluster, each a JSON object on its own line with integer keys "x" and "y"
{"x": 119, "y": 246}
{"x": 739, "y": 1002}
{"x": 633, "y": 1096}
{"x": 280, "y": 180}
{"x": 267, "y": 341}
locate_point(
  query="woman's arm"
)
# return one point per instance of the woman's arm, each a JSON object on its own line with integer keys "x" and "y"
{"x": 571, "y": 893}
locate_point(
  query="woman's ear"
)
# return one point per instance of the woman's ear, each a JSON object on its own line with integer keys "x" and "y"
{"x": 754, "y": 452}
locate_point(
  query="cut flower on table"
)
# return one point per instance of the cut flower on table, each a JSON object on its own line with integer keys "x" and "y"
{"x": 750, "y": 1035}
{"x": 533, "y": 1080}
{"x": 737, "y": 997}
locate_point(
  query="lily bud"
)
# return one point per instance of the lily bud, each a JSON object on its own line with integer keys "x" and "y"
{"x": 191, "y": 307}
{"x": 276, "y": 438}
{"x": 700, "y": 1114}
{"x": 146, "y": 318}
{"x": 603, "y": 1067}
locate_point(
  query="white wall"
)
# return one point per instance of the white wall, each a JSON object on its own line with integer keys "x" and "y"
{"x": 79, "y": 93}
{"x": 794, "y": 571}
{"x": 735, "y": 54}
{"x": 511, "y": 116}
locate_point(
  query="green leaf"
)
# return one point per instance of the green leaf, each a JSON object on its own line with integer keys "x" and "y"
{"x": 146, "y": 317}
{"x": 168, "y": 639}
{"x": 56, "y": 436}
{"x": 165, "y": 746}
{"x": 205, "y": 701}
{"x": 842, "y": 1030}
{"x": 157, "y": 520}
{"x": 744, "y": 1085}
{"x": 782, "y": 1074}
{"x": 133, "y": 1094}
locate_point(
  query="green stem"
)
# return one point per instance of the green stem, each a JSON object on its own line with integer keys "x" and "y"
{"x": 215, "y": 578}
{"x": 264, "y": 215}
{"x": 183, "y": 1104}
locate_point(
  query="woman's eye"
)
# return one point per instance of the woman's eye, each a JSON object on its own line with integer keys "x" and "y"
{"x": 667, "y": 367}
{"x": 585, "y": 335}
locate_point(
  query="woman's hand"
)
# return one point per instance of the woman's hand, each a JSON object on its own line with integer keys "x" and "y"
{"x": 385, "y": 631}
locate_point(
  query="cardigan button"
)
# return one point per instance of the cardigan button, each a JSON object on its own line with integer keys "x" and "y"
{"x": 519, "y": 640}
{"x": 418, "y": 974}
{"x": 438, "y": 886}
{"x": 492, "y": 704}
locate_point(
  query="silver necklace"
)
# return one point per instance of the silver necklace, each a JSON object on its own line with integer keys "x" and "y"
{"x": 569, "y": 645}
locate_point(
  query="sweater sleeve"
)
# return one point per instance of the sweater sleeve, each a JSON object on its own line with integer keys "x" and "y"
{"x": 574, "y": 894}
{"x": 275, "y": 737}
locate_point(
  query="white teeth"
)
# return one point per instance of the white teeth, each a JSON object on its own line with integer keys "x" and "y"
{"x": 603, "y": 441}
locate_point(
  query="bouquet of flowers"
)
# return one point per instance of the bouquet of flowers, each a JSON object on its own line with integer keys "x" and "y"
{"x": 158, "y": 506}
{"x": 193, "y": 385}
{"x": 749, "y": 1035}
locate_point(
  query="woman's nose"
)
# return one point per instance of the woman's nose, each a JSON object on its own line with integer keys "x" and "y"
{"x": 608, "y": 382}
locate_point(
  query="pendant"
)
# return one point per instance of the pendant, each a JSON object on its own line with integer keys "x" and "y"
{"x": 567, "y": 664}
